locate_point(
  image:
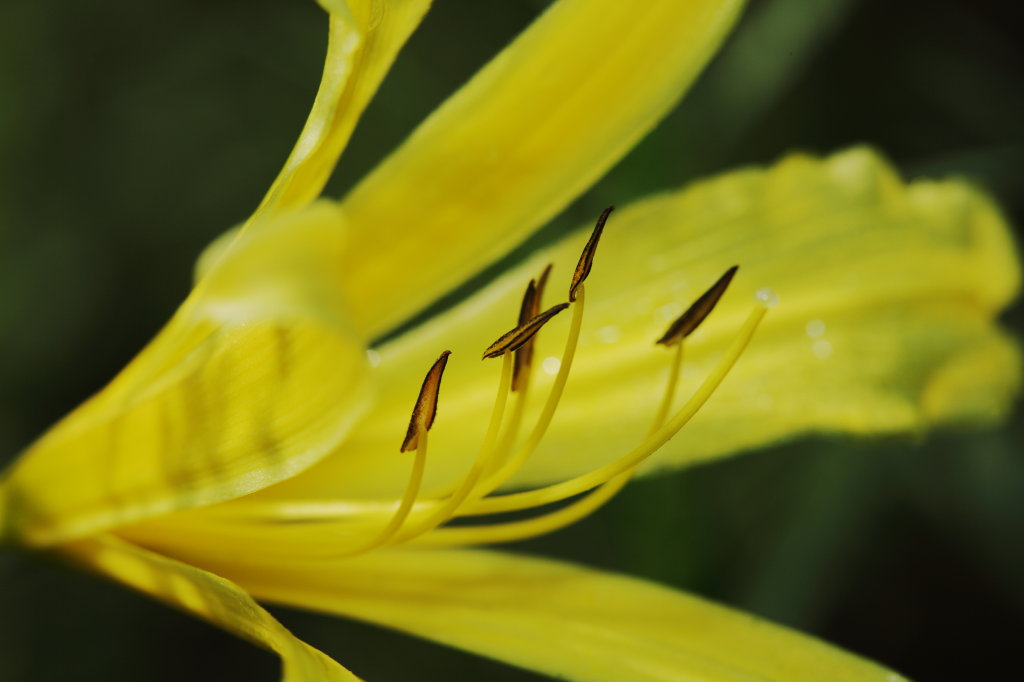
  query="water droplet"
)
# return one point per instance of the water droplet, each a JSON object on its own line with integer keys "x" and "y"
{"x": 669, "y": 312}
{"x": 767, "y": 297}
{"x": 551, "y": 365}
{"x": 815, "y": 329}
{"x": 609, "y": 334}
{"x": 373, "y": 357}
{"x": 822, "y": 349}
{"x": 643, "y": 304}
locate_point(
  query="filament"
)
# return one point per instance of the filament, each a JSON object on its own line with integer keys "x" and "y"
{"x": 670, "y": 390}
{"x": 547, "y": 414}
{"x": 412, "y": 491}
{"x": 447, "y": 508}
{"x": 566, "y": 516}
{"x": 574, "y": 486}
{"x": 416, "y": 521}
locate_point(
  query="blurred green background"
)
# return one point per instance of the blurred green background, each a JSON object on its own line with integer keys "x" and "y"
{"x": 132, "y": 133}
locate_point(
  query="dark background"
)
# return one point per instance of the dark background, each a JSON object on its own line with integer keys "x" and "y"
{"x": 133, "y": 133}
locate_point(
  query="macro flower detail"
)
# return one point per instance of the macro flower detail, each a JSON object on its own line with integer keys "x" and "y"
{"x": 261, "y": 447}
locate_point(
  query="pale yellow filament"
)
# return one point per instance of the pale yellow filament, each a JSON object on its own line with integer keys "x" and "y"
{"x": 547, "y": 414}
{"x": 512, "y": 430}
{"x": 670, "y": 390}
{"x": 574, "y": 486}
{"x": 412, "y": 491}
{"x": 447, "y": 508}
{"x": 568, "y": 515}
{"x": 494, "y": 470}
{"x": 494, "y": 467}
{"x": 528, "y": 528}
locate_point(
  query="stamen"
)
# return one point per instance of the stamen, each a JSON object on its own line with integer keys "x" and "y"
{"x": 423, "y": 414}
{"x": 670, "y": 390}
{"x": 566, "y": 516}
{"x": 685, "y": 325}
{"x": 527, "y": 528}
{"x": 412, "y": 491}
{"x": 417, "y": 521}
{"x": 425, "y": 410}
{"x": 591, "y": 502}
{"x": 532, "y": 299}
{"x": 688, "y": 322}
{"x": 446, "y": 509}
{"x": 576, "y": 295}
{"x": 587, "y": 257}
{"x": 513, "y": 465}
{"x": 571, "y": 487}
{"x": 513, "y": 340}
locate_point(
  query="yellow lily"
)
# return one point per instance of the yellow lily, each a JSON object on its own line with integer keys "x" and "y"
{"x": 250, "y": 451}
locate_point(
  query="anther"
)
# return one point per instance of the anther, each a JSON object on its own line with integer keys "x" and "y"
{"x": 529, "y": 309}
{"x": 425, "y": 410}
{"x": 542, "y": 282}
{"x": 587, "y": 257}
{"x": 688, "y": 322}
{"x": 577, "y": 293}
{"x": 513, "y": 340}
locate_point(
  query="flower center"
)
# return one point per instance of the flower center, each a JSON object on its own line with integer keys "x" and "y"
{"x": 426, "y": 520}
{"x": 423, "y": 521}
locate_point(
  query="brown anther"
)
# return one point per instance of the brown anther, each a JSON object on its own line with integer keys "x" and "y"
{"x": 688, "y": 322}
{"x": 425, "y": 410}
{"x": 525, "y": 353}
{"x": 529, "y": 309}
{"x": 587, "y": 257}
{"x": 513, "y": 340}
{"x": 542, "y": 282}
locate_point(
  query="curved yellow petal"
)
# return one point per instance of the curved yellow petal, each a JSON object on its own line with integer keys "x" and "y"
{"x": 567, "y": 621}
{"x": 256, "y": 377}
{"x": 533, "y": 129}
{"x": 365, "y": 37}
{"x": 888, "y": 292}
{"x": 209, "y": 597}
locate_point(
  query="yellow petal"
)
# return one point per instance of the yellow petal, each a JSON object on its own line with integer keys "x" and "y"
{"x": 533, "y": 129}
{"x": 209, "y": 597}
{"x": 887, "y": 292}
{"x": 255, "y": 378}
{"x": 558, "y": 619}
{"x": 365, "y": 37}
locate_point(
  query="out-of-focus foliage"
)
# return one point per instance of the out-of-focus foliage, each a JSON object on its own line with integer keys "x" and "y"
{"x": 133, "y": 133}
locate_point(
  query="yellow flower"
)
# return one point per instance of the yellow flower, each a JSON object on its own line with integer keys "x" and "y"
{"x": 251, "y": 450}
